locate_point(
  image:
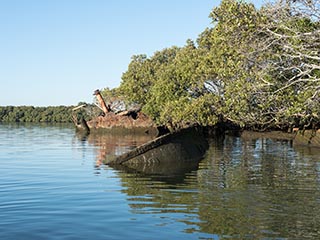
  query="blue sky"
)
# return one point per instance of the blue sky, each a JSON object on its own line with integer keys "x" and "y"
{"x": 57, "y": 52}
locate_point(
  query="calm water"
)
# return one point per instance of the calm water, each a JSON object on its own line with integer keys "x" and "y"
{"x": 52, "y": 186}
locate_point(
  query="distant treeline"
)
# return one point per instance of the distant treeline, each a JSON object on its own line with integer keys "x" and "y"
{"x": 58, "y": 114}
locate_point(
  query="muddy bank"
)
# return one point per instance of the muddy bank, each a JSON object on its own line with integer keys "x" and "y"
{"x": 298, "y": 137}
{"x": 307, "y": 138}
{"x": 278, "y": 135}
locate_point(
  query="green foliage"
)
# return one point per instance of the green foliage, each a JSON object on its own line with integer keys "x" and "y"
{"x": 255, "y": 68}
{"x": 293, "y": 59}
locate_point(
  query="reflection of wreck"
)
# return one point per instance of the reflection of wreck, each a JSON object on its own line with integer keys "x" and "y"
{"x": 113, "y": 118}
{"x": 114, "y": 144}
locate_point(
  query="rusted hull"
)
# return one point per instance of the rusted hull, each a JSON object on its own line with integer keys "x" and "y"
{"x": 167, "y": 154}
{"x": 114, "y": 122}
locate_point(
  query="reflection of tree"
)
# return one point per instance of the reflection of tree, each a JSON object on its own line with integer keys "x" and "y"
{"x": 244, "y": 188}
{"x": 258, "y": 188}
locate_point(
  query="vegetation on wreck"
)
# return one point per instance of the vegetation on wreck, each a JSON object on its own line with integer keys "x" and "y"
{"x": 254, "y": 68}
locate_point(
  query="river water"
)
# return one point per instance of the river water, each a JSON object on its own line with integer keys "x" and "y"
{"x": 53, "y": 186}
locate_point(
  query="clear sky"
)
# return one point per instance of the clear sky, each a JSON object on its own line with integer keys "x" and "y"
{"x": 57, "y": 52}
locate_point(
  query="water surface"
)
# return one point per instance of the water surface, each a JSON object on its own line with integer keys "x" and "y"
{"x": 53, "y": 186}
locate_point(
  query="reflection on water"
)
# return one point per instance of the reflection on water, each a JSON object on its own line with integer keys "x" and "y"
{"x": 260, "y": 188}
{"x": 52, "y": 188}
{"x": 254, "y": 189}
{"x": 113, "y": 144}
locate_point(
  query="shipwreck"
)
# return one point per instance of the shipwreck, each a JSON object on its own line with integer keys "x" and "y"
{"x": 166, "y": 153}
{"x": 181, "y": 150}
{"x": 115, "y": 118}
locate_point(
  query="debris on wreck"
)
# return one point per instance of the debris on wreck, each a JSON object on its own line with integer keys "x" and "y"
{"x": 114, "y": 116}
